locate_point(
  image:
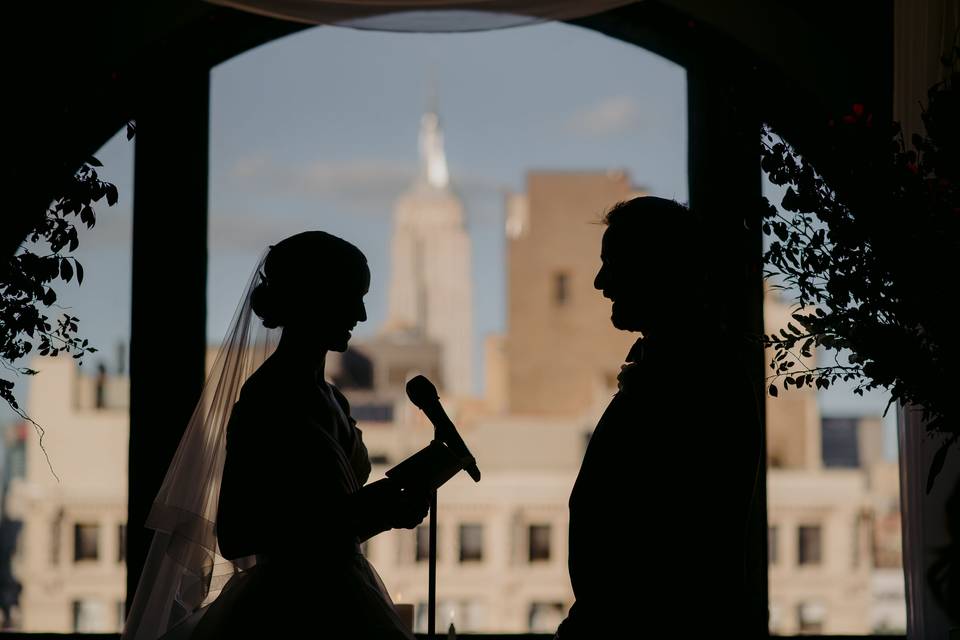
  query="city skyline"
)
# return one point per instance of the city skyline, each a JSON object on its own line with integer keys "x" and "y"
{"x": 297, "y": 145}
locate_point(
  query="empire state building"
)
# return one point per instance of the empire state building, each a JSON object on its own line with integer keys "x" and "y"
{"x": 430, "y": 287}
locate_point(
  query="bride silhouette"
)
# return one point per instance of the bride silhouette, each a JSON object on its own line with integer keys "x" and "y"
{"x": 260, "y": 517}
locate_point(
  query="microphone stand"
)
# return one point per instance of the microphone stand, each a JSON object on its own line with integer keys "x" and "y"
{"x": 423, "y": 394}
{"x": 432, "y": 579}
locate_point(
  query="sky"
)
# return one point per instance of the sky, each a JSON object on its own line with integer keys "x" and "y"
{"x": 318, "y": 130}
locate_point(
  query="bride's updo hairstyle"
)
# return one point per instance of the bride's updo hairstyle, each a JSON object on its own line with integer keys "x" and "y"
{"x": 298, "y": 268}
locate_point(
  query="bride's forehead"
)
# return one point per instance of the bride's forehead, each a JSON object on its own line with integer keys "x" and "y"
{"x": 350, "y": 282}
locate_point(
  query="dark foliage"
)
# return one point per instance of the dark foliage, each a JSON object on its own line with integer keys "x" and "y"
{"x": 30, "y": 319}
{"x": 868, "y": 244}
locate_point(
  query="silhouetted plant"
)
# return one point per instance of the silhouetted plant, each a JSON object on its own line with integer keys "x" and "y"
{"x": 871, "y": 256}
{"x": 26, "y": 282}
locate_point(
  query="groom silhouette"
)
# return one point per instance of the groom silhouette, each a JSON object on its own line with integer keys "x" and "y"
{"x": 655, "y": 544}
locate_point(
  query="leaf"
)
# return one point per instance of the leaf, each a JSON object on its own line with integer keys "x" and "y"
{"x": 112, "y": 195}
{"x": 93, "y": 162}
{"x": 79, "y": 271}
{"x": 66, "y": 270}
{"x": 773, "y": 390}
{"x": 87, "y": 216}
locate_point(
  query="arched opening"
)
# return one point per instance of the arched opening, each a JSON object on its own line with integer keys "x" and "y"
{"x": 721, "y": 159}
{"x": 506, "y": 147}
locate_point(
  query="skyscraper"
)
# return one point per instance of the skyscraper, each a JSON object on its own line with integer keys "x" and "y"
{"x": 430, "y": 282}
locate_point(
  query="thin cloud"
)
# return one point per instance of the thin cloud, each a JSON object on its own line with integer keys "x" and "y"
{"x": 352, "y": 178}
{"x": 613, "y": 115}
{"x": 363, "y": 181}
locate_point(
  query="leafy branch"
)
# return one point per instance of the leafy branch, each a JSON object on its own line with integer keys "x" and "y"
{"x": 868, "y": 256}
{"x": 29, "y": 319}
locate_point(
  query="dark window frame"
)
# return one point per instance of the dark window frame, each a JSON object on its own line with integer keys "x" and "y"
{"x": 537, "y": 552}
{"x": 465, "y": 555}
{"x": 82, "y": 554}
{"x": 809, "y": 550}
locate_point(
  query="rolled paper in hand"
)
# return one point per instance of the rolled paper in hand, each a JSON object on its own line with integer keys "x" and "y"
{"x": 405, "y": 611}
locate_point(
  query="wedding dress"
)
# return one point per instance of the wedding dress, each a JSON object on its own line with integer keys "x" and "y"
{"x": 271, "y": 554}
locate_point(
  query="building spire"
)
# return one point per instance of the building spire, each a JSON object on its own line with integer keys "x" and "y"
{"x": 433, "y": 160}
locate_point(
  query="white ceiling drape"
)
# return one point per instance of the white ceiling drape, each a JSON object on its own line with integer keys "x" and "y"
{"x": 424, "y": 15}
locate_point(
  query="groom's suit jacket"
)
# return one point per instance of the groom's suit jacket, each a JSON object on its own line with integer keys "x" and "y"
{"x": 657, "y": 513}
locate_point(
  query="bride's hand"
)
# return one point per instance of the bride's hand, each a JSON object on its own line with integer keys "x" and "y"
{"x": 410, "y": 508}
{"x": 385, "y": 504}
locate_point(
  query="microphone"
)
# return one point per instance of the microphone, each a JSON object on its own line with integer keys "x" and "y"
{"x": 423, "y": 394}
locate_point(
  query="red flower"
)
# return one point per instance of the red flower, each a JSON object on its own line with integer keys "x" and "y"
{"x": 858, "y": 109}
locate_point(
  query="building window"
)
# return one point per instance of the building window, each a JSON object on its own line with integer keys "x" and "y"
{"x": 423, "y": 543}
{"x": 100, "y": 400}
{"x": 89, "y": 616}
{"x": 472, "y": 616}
{"x": 86, "y": 539}
{"x": 122, "y": 543}
{"x": 561, "y": 288}
{"x": 809, "y": 547}
{"x": 811, "y": 617}
{"x": 375, "y": 412}
{"x": 545, "y": 617}
{"x": 446, "y": 615}
{"x": 539, "y": 537}
{"x": 422, "y": 615}
{"x": 471, "y": 542}
{"x": 839, "y": 443}
{"x": 772, "y": 548}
